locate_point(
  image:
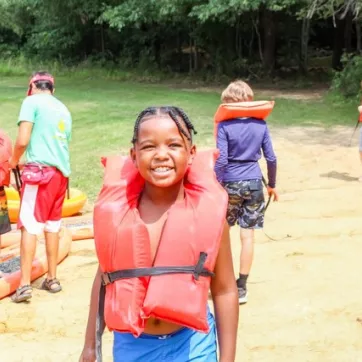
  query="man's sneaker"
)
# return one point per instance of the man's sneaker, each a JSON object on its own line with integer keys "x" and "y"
{"x": 243, "y": 295}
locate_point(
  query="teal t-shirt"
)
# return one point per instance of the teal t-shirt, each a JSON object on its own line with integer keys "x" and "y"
{"x": 51, "y": 134}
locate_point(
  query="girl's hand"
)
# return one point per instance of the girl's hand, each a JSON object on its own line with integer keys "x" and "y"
{"x": 88, "y": 354}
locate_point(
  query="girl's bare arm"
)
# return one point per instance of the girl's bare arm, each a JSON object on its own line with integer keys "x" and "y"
{"x": 225, "y": 297}
{"x": 90, "y": 335}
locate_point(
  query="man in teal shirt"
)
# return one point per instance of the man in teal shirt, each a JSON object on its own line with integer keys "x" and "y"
{"x": 44, "y": 134}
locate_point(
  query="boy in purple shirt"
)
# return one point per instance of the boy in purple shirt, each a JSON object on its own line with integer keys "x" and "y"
{"x": 240, "y": 142}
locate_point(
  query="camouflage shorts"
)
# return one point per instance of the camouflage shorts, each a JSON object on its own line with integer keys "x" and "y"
{"x": 5, "y": 225}
{"x": 246, "y": 203}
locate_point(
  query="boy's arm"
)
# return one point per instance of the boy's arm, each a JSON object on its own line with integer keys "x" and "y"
{"x": 225, "y": 297}
{"x": 25, "y": 121}
{"x": 270, "y": 157}
{"x": 222, "y": 145}
{"x": 21, "y": 143}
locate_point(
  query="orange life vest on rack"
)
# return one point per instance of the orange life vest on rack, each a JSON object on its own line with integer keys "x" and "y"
{"x": 254, "y": 109}
{"x": 177, "y": 291}
{"x": 6, "y": 150}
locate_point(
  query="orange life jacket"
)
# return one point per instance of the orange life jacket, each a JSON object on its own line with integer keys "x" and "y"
{"x": 177, "y": 289}
{"x": 254, "y": 109}
{"x": 6, "y": 150}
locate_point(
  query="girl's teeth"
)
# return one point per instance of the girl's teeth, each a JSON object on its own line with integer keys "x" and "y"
{"x": 162, "y": 169}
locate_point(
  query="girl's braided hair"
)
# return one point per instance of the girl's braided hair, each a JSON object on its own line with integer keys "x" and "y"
{"x": 175, "y": 114}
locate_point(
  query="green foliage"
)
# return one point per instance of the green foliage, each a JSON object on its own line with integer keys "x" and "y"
{"x": 349, "y": 81}
{"x": 220, "y": 37}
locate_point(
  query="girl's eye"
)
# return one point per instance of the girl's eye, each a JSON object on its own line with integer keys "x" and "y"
{"x": 175, "y": 145}
{"x": 147, "y": 147}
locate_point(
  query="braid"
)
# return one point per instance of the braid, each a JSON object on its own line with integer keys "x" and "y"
{"x": 180, "y": 128}
{"x": 173, "y": 113}
{"x": 141, "y": 116}
{"x": 186, "y": 119}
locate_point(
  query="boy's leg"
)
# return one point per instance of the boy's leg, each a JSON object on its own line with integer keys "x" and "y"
{"x": 30, "y": 228}
{"x": 52, "y": 228}
{"x": 52, "y": 247}
{"x": 251, "y": 217}
{"x": 27, "y": 253}
{"x": 247, "y": 250}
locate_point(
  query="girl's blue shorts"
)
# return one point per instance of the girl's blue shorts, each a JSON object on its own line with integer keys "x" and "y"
{"x": 184, "y": 345}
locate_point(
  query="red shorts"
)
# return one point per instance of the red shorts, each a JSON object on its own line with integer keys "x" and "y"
{"x": 41, "y": 205}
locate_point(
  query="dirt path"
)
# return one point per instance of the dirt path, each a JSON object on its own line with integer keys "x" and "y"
{"x": 305, "y": 295}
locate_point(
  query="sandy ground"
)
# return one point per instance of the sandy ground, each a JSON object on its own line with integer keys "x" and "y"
{"x": 305, "y": 288}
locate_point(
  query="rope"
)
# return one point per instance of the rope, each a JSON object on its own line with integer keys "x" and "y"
{"x": 267, "y": 204}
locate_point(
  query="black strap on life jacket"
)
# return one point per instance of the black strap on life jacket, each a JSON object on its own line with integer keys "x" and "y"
{"x": 108, "y": 278}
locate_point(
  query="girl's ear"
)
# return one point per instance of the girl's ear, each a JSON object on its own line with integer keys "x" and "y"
{"x": 132, "y": 153}
{"x": 192, "y": 154}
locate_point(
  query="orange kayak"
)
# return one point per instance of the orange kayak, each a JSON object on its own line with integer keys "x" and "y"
{"x": 10, "y": 263}
{"x": 80, "y": 227}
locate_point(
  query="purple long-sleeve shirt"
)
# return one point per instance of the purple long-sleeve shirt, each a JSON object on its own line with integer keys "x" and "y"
{"x": 240, "y": 142}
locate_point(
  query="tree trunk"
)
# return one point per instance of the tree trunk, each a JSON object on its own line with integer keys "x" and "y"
{"x": 304, "y": 40}
{"x": 358, "y": 36}
{"x": 269, "y": 40}
{"x": 338, "y": 43}
{"x": 348, "y": 32}
{"x": 190, "y": 54}
{"x": 103, "y": 48}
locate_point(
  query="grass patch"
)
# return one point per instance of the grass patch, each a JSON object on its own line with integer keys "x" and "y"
{"x": 104, "y": 112}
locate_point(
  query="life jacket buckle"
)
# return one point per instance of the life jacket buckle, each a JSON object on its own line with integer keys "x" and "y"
{"x": 105, "y": 279}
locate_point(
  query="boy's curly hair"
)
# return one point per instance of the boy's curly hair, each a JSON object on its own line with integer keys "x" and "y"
{"x": 237, "y": 91}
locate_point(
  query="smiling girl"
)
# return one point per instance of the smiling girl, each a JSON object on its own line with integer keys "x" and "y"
{"x": 161, "y": 243}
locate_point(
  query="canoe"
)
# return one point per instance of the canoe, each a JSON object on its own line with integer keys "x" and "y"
{"x": 80, "y": 227}
{"x": 11, "y": 266}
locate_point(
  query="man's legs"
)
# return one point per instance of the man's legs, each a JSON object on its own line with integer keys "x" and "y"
{"x": 38, "y": 204}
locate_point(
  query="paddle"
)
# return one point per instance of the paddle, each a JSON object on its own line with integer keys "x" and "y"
{"x": 267, "y": 204}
